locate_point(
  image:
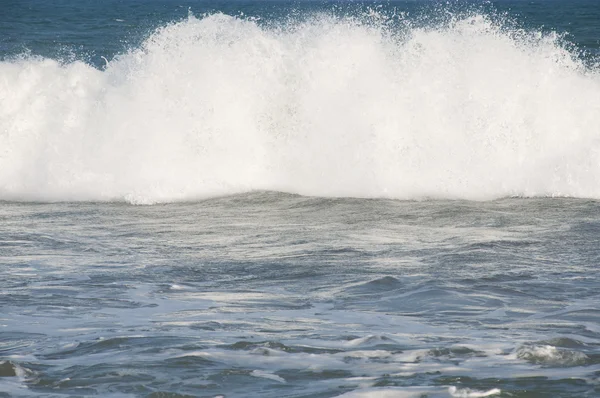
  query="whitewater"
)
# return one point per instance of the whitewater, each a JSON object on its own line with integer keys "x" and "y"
{"x": 277, "y": 199}
{"x": 371, "y": 106}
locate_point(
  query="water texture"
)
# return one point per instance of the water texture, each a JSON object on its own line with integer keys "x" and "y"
{"x": 299, "y": 199}
{"x": 276, "y": 295}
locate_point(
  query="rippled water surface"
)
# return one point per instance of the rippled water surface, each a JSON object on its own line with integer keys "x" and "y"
{"x": 244, "y": 129}
{"x": 276, "y": 295}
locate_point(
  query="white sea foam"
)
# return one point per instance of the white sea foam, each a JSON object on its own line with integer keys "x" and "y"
{"x": 416, "y": 392}
{"x": 469, "y": 393}
{"x": 393, "y": 392}
{"x": 329, "y": 107}
{"x": 267, "y": 375}
{"x": 549, "y": 355}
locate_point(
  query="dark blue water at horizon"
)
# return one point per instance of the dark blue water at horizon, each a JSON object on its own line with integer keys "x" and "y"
{"x": 92, "y": 29}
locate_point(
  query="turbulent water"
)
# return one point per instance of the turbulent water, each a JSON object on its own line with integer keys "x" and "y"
{"x": 274, "y": 295}
{"x": 394, "y": 199}
{"x": 367, "y": 105}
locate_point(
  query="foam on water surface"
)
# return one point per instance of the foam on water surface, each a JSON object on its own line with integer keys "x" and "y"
{"x": 270, "y": 294}
{"x": 327, "y": 106}
{"x": 548, "y": 355}
{"x": 418, "y": 392}
{"x": 259, "y": 295}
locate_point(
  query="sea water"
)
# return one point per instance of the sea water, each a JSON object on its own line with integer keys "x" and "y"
{"x": 299, "y": 199}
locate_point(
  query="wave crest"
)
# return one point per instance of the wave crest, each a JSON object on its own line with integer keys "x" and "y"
{"x": 331, "y": 106}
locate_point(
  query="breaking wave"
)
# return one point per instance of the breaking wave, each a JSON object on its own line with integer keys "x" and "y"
{"x": 329, "y": 106}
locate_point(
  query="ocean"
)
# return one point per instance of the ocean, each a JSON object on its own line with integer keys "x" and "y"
{"x": 264, "y": 198}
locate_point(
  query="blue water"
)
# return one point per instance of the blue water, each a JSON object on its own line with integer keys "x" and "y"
{"x": 89, "y": 29}
{"x": 299, "y": 199}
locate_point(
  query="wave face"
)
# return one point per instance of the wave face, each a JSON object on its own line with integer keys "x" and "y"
{"x": 331, "y": 106}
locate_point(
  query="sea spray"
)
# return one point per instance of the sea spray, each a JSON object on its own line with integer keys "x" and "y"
{"x": 329, "y": 106}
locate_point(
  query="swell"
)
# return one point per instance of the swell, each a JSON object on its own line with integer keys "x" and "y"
{"x": 330, "y": 106}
